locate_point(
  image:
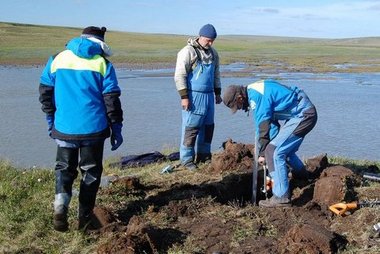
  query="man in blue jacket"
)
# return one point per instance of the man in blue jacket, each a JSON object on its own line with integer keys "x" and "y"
{"x": 79, "y": 94}
{"x": 283, "y": 116}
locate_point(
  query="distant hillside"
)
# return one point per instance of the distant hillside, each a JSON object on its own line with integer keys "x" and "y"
{"x": 25, "y": 44}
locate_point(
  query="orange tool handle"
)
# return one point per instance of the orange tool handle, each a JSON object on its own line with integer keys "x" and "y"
{"x": 342, "y": 208}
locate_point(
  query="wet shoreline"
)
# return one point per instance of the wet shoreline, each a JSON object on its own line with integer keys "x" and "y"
{"x": 236, "y": 69}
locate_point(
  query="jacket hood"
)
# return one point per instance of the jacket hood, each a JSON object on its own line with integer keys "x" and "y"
{"x": 84, "y": 47}
{"x": 194, "y": 42}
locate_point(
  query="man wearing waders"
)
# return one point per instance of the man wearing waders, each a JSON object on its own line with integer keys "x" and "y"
{"x": 197, "y": 81}
{"x": 79, "y": 93}
{"x": 283, "y": 116}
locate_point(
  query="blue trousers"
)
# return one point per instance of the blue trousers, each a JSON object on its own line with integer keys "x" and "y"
{"x": 197, "y": 128}
{"x": 282, "y": 149}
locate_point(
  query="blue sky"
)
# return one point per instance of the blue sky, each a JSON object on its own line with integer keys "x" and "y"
{"x": 300, "y": 18}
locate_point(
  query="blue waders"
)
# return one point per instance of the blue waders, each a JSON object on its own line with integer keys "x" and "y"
{"x": 283, "y": 147}
{"x": 198, "y": 121}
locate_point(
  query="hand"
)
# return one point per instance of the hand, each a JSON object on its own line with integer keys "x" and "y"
{"x": 185, "y": 103}
{"x": 261, "y": 160}
{"x": 218, "y": 99}
{"x": 50, "y": 122}
{"x": 116, "y": 137}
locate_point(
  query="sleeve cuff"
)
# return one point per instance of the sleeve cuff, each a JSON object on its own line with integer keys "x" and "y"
{"x": 183, "y": 93}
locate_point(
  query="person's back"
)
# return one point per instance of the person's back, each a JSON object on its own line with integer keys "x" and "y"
{"x": 283, "y": 117}
{"x": 79, "y": 93}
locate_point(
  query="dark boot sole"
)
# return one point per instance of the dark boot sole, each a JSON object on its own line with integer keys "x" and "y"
{"x": 274, "y": 205}
{"x": 61, "y": 228}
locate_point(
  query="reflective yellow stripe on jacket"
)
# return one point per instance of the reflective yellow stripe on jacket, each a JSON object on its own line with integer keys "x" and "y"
{"x": 68, "y": 60}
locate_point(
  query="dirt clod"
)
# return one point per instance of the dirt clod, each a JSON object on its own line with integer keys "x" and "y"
{"x": 308, "y": 238}
{"x": 317, "y": 164}
{"x": 334, "y": 186}
{"x": 103, "y": 216}
{"x": 235, "y": 157}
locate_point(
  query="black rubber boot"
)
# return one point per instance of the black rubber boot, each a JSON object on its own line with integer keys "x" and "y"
{"x": 203, "y": 158}
{"x": 60, "y": 222}
{"x": 65, "y": 174}
{"x": 91, "y": 168}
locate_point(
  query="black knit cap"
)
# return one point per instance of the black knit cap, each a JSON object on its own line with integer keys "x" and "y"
{"x": 93, "y": 31}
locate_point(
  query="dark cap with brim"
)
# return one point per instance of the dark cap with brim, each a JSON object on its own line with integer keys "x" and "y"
{"x": 230, "y": 96}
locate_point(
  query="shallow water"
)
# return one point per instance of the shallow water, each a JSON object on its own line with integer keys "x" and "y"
{"x": 347, "y": 126}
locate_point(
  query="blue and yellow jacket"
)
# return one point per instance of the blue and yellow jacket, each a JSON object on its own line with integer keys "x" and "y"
{"x": 79, "y": 87}
{"x": 271, "y": 103}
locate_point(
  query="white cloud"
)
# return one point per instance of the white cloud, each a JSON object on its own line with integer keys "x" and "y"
{"x": 334, "y": 20}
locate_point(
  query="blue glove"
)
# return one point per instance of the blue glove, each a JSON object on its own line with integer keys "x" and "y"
{"x": 50, "y": 122}
{"x": 116, "y": 137}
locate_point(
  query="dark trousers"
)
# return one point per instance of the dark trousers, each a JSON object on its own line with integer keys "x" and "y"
{"x": 89, "y": 159}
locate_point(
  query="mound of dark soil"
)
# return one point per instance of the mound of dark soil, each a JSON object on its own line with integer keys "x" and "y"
{"x": 215, "y": 216}
{"x": 307, "y": 238}
{"x": 235, "y": 157}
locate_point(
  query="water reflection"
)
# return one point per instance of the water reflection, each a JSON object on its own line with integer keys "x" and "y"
{"x": 346, "y": 104}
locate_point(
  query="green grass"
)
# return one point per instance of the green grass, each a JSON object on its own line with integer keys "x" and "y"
{"x": 26, "y": 207}
{"x": 22, "y": 44}
{"x": 357, "y": 165}
{"x": 26, "y": 214}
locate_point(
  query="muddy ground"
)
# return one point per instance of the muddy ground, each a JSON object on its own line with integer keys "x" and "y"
{"x": 214, "y": 213}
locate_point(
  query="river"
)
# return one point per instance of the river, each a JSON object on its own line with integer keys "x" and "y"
{"x": 348, "y": 125}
